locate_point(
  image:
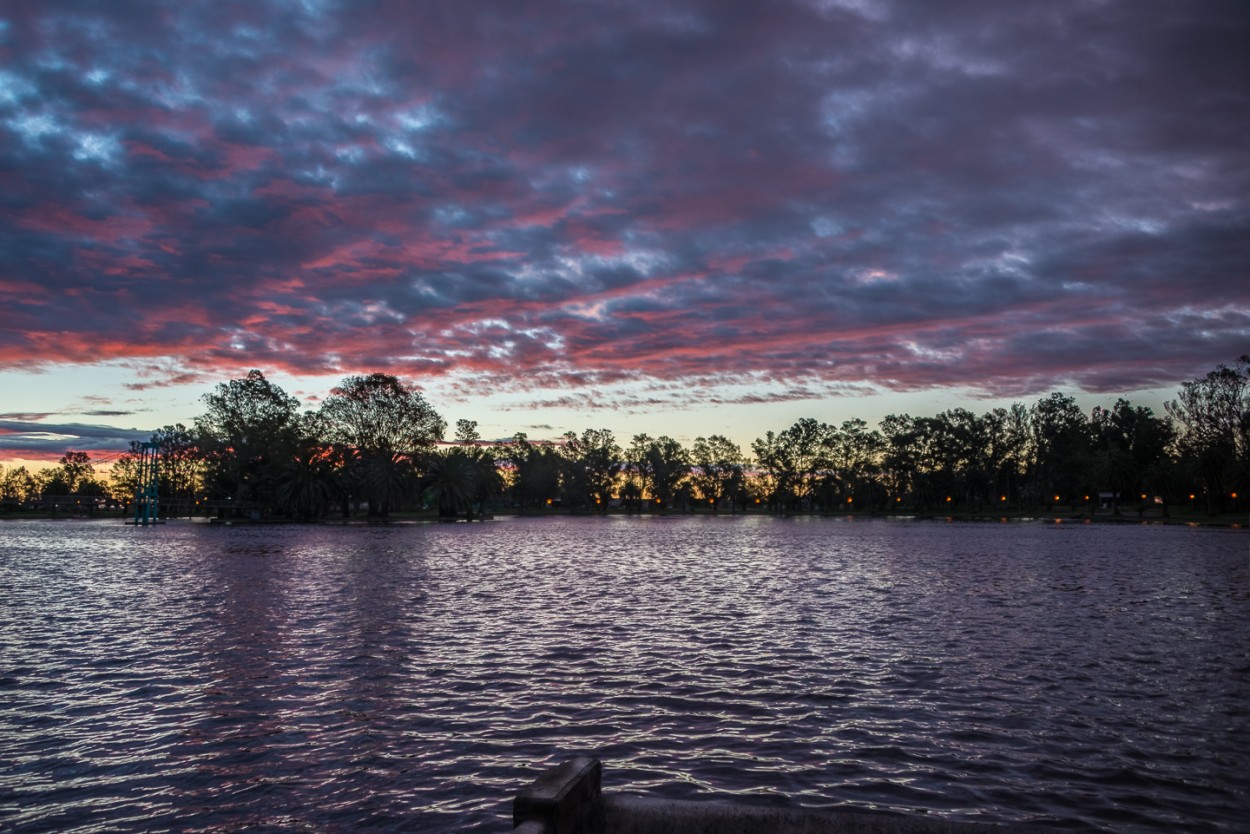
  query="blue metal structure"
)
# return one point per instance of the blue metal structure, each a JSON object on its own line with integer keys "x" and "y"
{"x": 147, "y": 493}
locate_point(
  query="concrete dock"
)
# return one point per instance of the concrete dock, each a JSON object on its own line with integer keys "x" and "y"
{"x": 568, "y": 799}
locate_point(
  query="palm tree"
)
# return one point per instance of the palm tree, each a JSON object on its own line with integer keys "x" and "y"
{"x": 304, "y": 485}
{"x": 489, "y": 479}
{"x": 387, "y": 479}
{"x": 452, "y": 480}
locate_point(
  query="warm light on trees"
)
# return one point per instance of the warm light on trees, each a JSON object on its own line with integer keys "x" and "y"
{"x": 373, "y": 439}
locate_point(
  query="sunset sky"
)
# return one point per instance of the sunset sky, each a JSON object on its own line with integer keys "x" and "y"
{"x": 653, "y": 216}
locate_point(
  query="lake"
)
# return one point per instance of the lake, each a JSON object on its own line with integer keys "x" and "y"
{"x": 197, "y": 677}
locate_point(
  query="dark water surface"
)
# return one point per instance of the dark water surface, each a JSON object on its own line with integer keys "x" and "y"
{"x": 412, "y": 678}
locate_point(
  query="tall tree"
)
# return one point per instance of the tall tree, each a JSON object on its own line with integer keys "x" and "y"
{"x": 489, "y": 482}
{"x": 124, "y": 474}
{"x": 78, "y": 474}
{"x": 249, "y": 425}
{"x": 460, "y": 480}
{"x": 17, "y": 486}
{"x": 899, "y": 456}
{"x": 855, "y": 455}
{"x": 719, "y": 470}
{"x": 663, "y": 463}
{"x": 773, "y": 471}
{"x": 451, "y": 482}
{"x": 632, "y": 478}
{"x": 1130, "y": 450}
{"x": 466, "y": 431}
{"x": 933, "y": 460}
{"x": 1062, "y": 446}
{"x": 535, "y": 471}
{"x": 181, "y": 465}
{"x": 798, "y": 458}
{"x": 388, "y": 422}
{"x": 306, "y": 484}
{"x": 1214, "y": 413}
{"x": 380, "y": 414}
{"x": 592, "y": 461}
{"x": 1004, "y": 438}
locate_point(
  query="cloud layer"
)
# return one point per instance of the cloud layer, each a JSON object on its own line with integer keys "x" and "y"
{"x": 553, "y": 195}
{"x": 29, "y": 436}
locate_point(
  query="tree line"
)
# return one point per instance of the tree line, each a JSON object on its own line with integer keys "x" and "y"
{"x": 376, "y": 446}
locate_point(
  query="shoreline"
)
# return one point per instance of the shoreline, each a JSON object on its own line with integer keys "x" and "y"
{"x": 1227, "y": 520}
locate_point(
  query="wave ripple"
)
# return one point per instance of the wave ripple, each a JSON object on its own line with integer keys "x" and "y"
{"x": 288, "y": 679}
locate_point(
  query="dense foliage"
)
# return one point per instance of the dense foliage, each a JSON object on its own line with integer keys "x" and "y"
{"x": 373, "y": 447}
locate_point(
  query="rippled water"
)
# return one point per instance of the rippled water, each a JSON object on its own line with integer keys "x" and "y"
{"x": 412, "y": 678}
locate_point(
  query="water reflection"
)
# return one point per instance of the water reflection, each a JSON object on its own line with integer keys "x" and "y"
{"x": 339, "y": 678}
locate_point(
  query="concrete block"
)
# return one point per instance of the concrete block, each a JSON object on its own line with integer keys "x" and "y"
{"x": 563, "y": 799}
{"x": 627, "y": 814}
{"x": 531, "y": 827}
{"x": 567, "y": 799}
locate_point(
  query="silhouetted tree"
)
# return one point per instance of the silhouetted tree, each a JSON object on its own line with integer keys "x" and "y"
{"x": 799, "y": 458}
{"x": 77, "y": 474}
{"x": 181, "y": 465}
{"x": 51, "y": 482}
{"x": 592, "y": 461}
{"x": 460, "y": 480}
{"x": 1006, "y": 441}
{"x": 451, "y": 482}
{"x": 1062, "y": 449}
{"x": 662, "y": 464}
{"x": 1214, "y": 413}
{"x": 17, "y": 486}
{"x": 306, "y": 485}
{"x": 719, "y": 471}
{"x": 466, "y": 431}
{"x": 954, "y": 459}
{"x": 919, "y": 459}
{"x": 250, "y": 424}
{"x": 773, "y": 472}
{"x": 535, "y": 471}
{"x": 1131, "y": 450}
{"x": 387, "y": 422}
{"x": 854, "y": 464}
{"x": 489, "y": 482}
{"x": 124, "y": 474}
{"x": 632, "y": 477}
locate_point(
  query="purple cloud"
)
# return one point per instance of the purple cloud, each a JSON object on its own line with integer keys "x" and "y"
{"x": 23, "y": 437}
{"x": 555, "y": 195}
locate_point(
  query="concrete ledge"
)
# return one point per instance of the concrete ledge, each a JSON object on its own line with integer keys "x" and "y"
{"x": 531, "y": 827}
{"x": 567, "y": 799}
{"x": 627, "y": 814}
{"x": 562, "y": 800}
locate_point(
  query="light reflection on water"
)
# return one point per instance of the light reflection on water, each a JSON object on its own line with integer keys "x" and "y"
{"x": 413, "y": 677}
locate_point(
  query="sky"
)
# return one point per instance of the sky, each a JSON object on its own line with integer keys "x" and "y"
{"x": 682, "y": 217}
